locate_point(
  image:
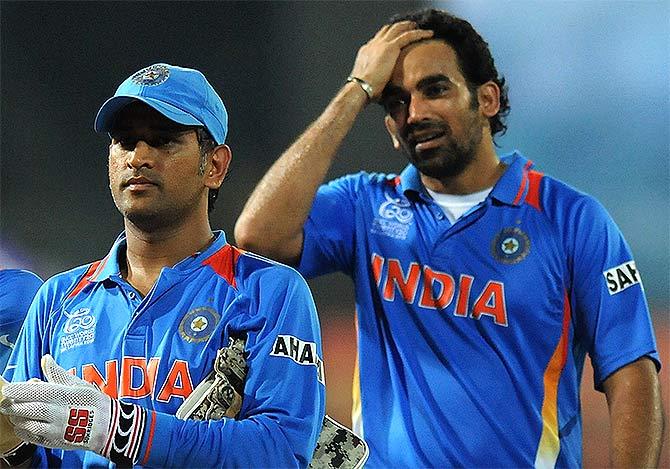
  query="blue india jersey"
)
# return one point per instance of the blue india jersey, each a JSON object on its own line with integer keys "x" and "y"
{"x": 17, "y": 289}
{"x": 153, "y": 351}
{"x": 472, "y": 336}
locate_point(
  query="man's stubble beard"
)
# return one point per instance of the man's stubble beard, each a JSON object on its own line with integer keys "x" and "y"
{"x": 158, "y": 218}
{"x": 452, "y": 159}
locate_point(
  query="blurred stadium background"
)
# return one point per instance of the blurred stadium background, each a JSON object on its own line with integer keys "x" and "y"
{"x": 589, "y": 87}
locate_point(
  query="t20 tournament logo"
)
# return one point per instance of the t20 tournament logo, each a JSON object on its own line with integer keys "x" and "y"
{"x": 78, "y": 330}
{"x": 395, "y": 216}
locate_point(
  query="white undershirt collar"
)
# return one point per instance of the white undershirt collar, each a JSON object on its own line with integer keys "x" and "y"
{"x": 455, "y": 206}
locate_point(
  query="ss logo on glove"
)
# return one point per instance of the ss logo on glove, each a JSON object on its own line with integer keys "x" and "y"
{"x": 79, "y": 425}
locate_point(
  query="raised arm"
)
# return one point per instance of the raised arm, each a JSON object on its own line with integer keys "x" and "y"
{"x": 272, "y": 219}
{"x": 636, "y": 415}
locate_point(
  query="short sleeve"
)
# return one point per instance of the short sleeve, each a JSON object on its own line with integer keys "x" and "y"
{"x": 611, "y": 311}
{"x": 330, "y": 229}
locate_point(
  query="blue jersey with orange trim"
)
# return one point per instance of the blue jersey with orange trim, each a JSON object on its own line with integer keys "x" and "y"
{"x": 153, "y": 351}
{"x": 17, "y": 289}
{"x": 472, "y": 336}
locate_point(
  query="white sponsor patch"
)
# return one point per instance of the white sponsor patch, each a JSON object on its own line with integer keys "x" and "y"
{"x": 301, "y": 352}
{"x": 621, "y": 277}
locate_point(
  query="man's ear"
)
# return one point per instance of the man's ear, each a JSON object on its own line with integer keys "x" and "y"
{"x": 217, "y": 166}
{"x": 488, "y": 96}
{"x": 393, "y": 131}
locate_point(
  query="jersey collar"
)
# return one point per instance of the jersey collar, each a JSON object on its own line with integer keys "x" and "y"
{"x": 110, "y": 266}
{"x": 510, "y": 189}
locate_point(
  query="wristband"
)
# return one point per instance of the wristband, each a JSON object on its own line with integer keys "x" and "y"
{"x": 363, "y": 84}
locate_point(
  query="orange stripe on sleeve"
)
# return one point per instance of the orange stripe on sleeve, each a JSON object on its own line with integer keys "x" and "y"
{"x": 356, "y": 409}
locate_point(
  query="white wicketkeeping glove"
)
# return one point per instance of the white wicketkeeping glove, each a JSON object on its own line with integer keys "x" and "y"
{"x": 9, "y": 442}
{"x": 69, "y": 413}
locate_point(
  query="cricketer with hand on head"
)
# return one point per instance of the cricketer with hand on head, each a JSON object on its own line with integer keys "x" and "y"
{"x": 481, "y": 283}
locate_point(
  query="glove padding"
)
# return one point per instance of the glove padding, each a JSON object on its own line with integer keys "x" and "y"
{"x": 9, "y": 442}
{"x": 69, "y": 413}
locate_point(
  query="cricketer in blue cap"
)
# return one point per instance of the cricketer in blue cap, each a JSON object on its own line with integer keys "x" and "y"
{"x": 143, "y": 327}
{"x": 183, "y": 95}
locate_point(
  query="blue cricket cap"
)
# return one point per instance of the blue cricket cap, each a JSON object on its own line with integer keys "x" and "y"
{"x": 183, "y": 95}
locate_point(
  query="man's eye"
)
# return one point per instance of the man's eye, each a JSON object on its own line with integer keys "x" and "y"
{"x": 126, "y": 143}
{"x": 166, "y": 141}
{"x": 435, "y": 90}
{"x": 395, "y": 104}
{"x": 162, "y": 141}
{"x": 159, "y": 142}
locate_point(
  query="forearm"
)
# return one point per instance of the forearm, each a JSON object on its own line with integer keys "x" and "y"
{"x": 272, "y": 220}
{"x": 636, "y": 415}
{"x": 253, "y": 442}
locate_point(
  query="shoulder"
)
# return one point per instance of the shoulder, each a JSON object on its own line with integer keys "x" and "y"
{"x": 365, "y": 181}
{"x": 17, "y": 289}
{"x": 278, "y": 298}
{"x": 275, "y": 292}
{"x": 564, "y": 204}
{"x": 26, "y": 286}
{"x": 245, "y": 270}
{"x": 21, "y": 280}
{"x": 256, "y": 271}
{"x": 579, "y": 220}
{"x": 68, "y": 283}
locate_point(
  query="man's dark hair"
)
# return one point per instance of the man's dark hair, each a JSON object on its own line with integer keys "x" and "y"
{"x": 474, "y": 56}
{"x": 206, "y": 143}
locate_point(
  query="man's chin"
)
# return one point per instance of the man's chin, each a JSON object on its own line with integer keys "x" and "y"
{"x": 441, "y": 162}
{"x": 146, "y": 220}
{"x": 440, "y": 168}
{"x": 435, "y": 165}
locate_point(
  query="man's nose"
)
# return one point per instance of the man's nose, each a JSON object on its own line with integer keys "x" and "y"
{"x": 141, "y": 155}
{"x": 418, "y": 110}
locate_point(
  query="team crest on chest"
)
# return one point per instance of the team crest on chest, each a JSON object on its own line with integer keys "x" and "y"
{"x": 395, "y": 217}
{"x": 198, "y": 324}
{"x": 151, "y": 76}
{"x": 510, "y": 246}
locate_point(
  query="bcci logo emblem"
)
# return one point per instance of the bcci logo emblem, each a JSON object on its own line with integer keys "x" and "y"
{"x": 510, "y": 246}
{"x": 198, "y": 324}
{"x": 151, "y": 76}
